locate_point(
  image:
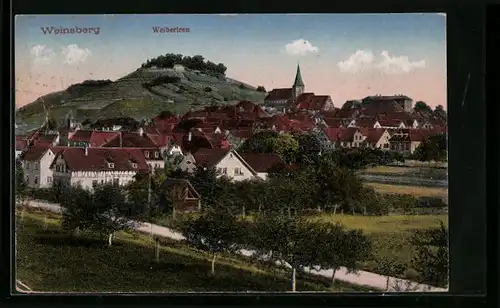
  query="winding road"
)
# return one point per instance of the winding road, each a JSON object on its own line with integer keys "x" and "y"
{"x": 360, "y": 278}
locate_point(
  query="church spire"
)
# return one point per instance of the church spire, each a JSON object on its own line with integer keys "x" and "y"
{"x": 298, "y": 78}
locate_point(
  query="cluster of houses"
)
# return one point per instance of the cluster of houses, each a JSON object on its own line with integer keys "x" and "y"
{"x": 115, "y": 150}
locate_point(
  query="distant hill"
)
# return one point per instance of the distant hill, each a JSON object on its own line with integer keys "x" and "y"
{"x": 140, "y": 94}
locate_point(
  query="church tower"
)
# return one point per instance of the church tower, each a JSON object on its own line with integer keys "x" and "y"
{"x": 298, "y": 86}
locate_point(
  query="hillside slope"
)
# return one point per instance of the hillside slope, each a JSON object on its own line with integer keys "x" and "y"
{"x": 140, "y": 94}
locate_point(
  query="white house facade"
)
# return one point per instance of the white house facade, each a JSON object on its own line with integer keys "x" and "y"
{"x": 90, "y": 167}
{"x": 36, "y": 166}
{"x": 227, "y": 162}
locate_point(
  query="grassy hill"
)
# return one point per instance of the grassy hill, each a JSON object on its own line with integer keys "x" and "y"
{"x": 49, "y": 260}
{"x": 140, "y": 94}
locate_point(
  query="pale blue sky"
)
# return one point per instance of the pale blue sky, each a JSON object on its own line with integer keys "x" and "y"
{"x": 251, "y": 46}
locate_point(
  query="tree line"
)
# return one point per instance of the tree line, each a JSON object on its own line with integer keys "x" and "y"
{"x": 196, "y": 62}
{"x": 275, "y": 230}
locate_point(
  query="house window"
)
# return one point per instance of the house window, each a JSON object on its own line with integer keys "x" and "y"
{"x": 35, "y": 181}
{"x": 156, "y": 154}
{"x": 111, "y": 165}
{"x": 94, "y": 183}
{"x": 237, "y": 171}
{"x": 134, "y": 165}
{"x": 219, "y": 170}
{"x": 157, "y": 166}
{"x": 49, "y": 179}
{"x": 102, "y": 181}
{"x": 27, "y": 179}
{"x": 27, "y": 166}
{"x": 146, "y": 154}
{"x": 224, "y": 170}
{"x": 116, "y": 181}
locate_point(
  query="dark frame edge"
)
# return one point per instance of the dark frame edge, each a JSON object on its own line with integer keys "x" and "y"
{"x": 468, "y": 169}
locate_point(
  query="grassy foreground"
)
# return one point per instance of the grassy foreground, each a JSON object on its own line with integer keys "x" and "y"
{"x": 52, "y": 261}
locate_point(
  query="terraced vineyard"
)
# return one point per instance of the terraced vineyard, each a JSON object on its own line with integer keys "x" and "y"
{"x": 128, "y": 96}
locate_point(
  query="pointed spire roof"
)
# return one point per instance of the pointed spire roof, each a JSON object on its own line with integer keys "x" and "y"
{"x": 298, "y": 78}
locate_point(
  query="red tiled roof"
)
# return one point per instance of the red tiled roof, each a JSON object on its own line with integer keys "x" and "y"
{"x": 347, "y": 134}
{"x": 390, "y": 122}
{"x": 81, "y": 136}
{"x": 47, "y": 137}
{"x": 309, "y": 101}
{"x": 279, "y": 94}
{"x": 34, "y": 153}
{"x": 411, "y": 135}
{"x": 329, "y": 113}
{"x": 99, "y": 138}
{"x": 98, "y": 159}
{"x": 161, "y": 140}
{"x": 373, "y": 135}
{"x": 366, "y": 122}
{"x": 209, "y": 157}
{"x": 130, "y": 140}
{"x": 264, "y": 162}
{"x": 332, "y": 122}
{"x": 241, "y": 133}
{"x": 58, "y": 150}
{"x": 198, "y": 140}
{"x": 247, "y": 106}
{"x": 332, "y": 133}
{"x": 386, "y": 98}
{"x": 346, "y": 113}
{"x": 21, "y": 144}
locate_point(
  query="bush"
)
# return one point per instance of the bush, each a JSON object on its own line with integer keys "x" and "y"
{"x": 207, "y": 89}
{"x": 196, "y": 62}
{"x": 431, "y": 202}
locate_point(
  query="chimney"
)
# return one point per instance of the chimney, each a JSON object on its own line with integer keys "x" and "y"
{"x": 190, "y": 136}
{"x": 141, "y": 131}
{"x": 86, "y": 151}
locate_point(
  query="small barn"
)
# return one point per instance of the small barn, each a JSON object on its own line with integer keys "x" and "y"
{"x": 181, "y": 193}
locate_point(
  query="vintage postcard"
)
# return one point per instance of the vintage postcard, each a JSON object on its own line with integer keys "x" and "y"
{"x": 231, "y": 153}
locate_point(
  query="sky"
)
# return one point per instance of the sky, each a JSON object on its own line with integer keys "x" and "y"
{"x": 346, "y": 56}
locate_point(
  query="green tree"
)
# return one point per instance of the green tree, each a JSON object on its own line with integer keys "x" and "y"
{"x": 432, "y": 257}
{"x": 272, "y": 142}
{"x": 433, "y": 148}
{"x": 215, "y": 232}
{"x": 261, "y": 89}
{"x": 79, "y": 210}
{"x": 145, "y": 191}
{"x": 284, "y": 239}
{"x": 440, "y": 112}
{"x": 338, "y": 186}
{"x": 293, "y": 192}
{"x": 309, "y": 148}
{"x": 340, "y": 247}
{"x": 422, "y": 106}
{"x": 103, "y": 212}
{"x": 20, "y": 183}
{"x": 252, "y": 195}
{"x": 212, "y": 189}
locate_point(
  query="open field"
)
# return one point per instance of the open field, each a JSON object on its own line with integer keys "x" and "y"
{"x": 417, "y": 191}
{"x": 387, "y": 224}
{"x": 415, "y": 172}
{"x": 390, "y": 235}
{"x": 388, "y": 169}
{"x": 50, "y": 260}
